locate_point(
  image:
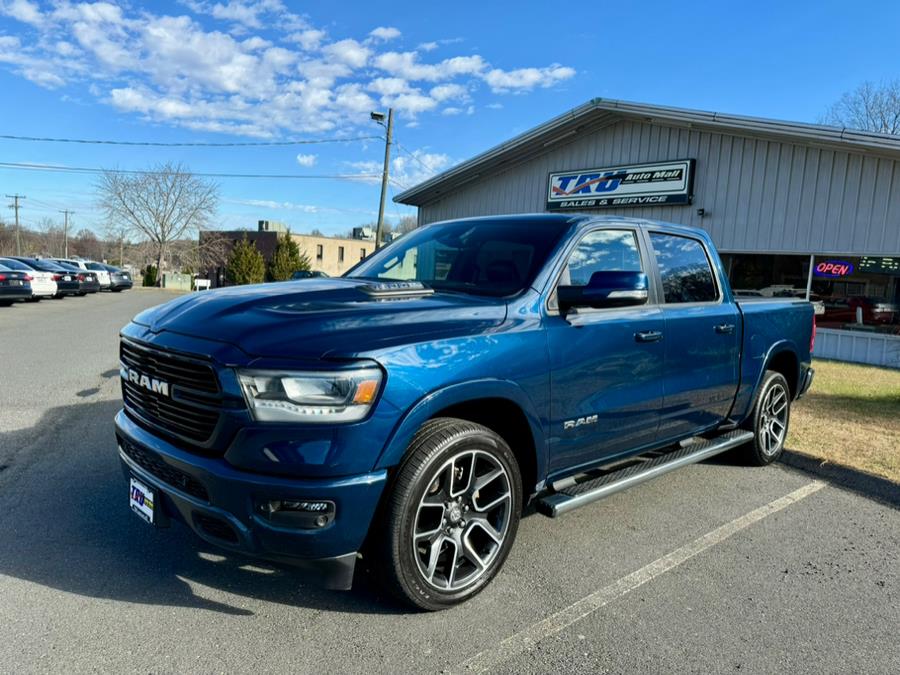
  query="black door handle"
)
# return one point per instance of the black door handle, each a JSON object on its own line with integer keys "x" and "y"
{"x": 725, "y": 328}
{"x": 648, "y": 336}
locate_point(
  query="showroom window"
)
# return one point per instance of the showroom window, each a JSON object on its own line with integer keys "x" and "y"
{"x": 848, "y": 292}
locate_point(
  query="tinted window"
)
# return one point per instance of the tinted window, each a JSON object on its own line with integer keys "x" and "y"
{"x": 15, "y": 265}
{"x": 95, "y": 266}
{"x": 684, "y": 269}
{"x": 482, "y": 257}
{"x": 602, "y": 251}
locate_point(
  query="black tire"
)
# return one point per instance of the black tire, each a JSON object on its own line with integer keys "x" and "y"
{"x": 444, "y": 463}
{"x": 81, "y": 294}
{"x": 5, "y": 303}
{"x": 767, "y": 419}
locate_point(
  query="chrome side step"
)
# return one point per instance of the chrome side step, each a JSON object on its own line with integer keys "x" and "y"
{"x": 571, "y": 496}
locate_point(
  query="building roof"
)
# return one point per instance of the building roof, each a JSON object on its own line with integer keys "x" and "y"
{"x": 599, "y": 112}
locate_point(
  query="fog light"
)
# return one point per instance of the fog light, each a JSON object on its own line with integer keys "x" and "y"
{"x": 304, "y": 514}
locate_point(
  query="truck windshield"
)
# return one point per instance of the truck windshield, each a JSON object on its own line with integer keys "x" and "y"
{"x": 481, "y": 257}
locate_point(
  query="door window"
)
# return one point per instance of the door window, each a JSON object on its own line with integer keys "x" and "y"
{"x": 602, "y": 251}
{"x": 684, "y": 268}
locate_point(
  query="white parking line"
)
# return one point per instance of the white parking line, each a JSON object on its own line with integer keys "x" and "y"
{"x": 555, "y": 623}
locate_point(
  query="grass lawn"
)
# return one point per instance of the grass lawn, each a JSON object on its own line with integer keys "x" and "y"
{"x": 851, "y": 416}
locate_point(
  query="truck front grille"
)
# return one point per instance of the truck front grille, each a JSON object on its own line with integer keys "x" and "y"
{"x": 178, "y": 395}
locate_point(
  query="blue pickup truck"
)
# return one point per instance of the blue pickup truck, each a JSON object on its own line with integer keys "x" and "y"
{"x": 408, "y": 412}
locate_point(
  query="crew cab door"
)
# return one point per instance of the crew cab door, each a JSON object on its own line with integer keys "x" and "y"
{"x": 606, "y": 364}
{"x": 703, "y": 329}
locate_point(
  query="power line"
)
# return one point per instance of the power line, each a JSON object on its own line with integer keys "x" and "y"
{"x": 429, "y": 169}
{"x": 190, "y": 144}
{"x": 97, "y": 170}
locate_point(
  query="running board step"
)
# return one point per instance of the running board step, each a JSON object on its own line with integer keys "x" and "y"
{"x": 579, "y": 494}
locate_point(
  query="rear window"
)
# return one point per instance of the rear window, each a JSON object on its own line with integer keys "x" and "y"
{"x": 684, "y": 268}
{"x": 15, "y": 265}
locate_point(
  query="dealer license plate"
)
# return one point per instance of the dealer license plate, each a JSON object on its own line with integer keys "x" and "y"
{"x": 141, "y": 499}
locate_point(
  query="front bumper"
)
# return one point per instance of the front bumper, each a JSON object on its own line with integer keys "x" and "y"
{"x": 222, "y": 505}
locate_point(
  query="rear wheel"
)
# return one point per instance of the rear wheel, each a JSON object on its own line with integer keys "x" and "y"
{"x": 769, "y": 420}
{"x": 453, "y": 514}
{"x": 5, "y": 303}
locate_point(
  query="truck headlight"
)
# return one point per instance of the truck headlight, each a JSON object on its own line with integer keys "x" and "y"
{"x": 323, "y": 397}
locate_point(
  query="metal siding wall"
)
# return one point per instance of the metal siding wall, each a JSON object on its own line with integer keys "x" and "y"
{"x": 859, "y": 347}
{"x": 760, "y": 195}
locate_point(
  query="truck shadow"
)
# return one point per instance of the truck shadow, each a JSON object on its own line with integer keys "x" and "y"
{"x": 66, "y": 525}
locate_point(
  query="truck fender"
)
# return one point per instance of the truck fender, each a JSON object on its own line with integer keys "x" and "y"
{"x": 744, "y": 404}
{"x": 463, "y": 392}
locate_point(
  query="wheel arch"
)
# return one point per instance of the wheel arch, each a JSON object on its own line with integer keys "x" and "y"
{"x": 500, "y": 405}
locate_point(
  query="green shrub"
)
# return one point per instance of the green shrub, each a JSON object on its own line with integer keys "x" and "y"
{"x": 287, "y": 259}
{"x": 246, "y": 264}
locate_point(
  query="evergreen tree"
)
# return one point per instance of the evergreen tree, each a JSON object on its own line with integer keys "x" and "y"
{"x": 287, "y": 259}
{"x": 245, "y": 264}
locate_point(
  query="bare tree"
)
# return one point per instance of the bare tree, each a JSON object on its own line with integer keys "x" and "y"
{"x": 407, "y": 224}
{"x": 869, "y": 107}
{"x": 162, "y": 205}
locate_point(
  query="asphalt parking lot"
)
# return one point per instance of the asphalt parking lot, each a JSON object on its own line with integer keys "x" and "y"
{"x": 714, "y": 568}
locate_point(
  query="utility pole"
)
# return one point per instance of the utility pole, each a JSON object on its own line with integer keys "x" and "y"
{"x": 66, "y": 232}
{"x": 384, "y": 176}
{"x": 15, "y": 205}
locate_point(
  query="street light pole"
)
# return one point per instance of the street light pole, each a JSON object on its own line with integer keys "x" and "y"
{"x": 378, "y": 117}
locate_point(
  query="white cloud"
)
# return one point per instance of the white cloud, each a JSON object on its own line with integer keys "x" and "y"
{"x": 385, "y": 33}
{"x": 23, "y": 10}
{"x": 494, "y": 106}
{"x": 308, "y": 39}
{"x": 445, "y": 92}
{"x": 275, "y": 205}
{"x": 407, "y": 168}
{"x": 306, "y": 160}
{"x": 349, "y": 52}
{"x": 389, "y": 86}
{"x": 525, "y": 79}
{"x": 406, "y": 65}
{"x": 245, "y": 66}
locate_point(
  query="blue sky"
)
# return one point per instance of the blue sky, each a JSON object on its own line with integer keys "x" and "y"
{"x": 462, "y": 76}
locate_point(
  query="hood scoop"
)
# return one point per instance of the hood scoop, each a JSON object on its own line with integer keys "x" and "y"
{"x": 396, "y": 290}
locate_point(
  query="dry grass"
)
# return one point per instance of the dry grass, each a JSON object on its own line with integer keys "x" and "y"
{"x": 851, "y": 416}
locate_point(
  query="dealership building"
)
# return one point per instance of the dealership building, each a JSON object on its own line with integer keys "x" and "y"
{"x": 794, "y": 209}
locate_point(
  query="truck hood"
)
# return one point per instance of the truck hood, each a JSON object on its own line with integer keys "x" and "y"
{"x": 315, "y": 318}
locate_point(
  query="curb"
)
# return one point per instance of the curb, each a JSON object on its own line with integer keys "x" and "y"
{"x": 865, "y": 484}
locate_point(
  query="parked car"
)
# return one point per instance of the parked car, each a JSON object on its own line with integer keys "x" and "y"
{"x": 119, "y": 280}
{"x": 308, "y": 274}
{"x": 87, "y": 280}
{"x": 14, "y": 285}
{"x": 43, "y": 284}
{"x": 874, "y": 310}
{"x": 410, "y": 409}
{"x": 66, "y": 281}
{"x": 99, "y": 270}
{"x": 102, "y": 273}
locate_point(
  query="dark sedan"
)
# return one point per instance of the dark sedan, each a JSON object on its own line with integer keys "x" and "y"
{"x": 14, "y": 285}
{"x": 66, "y": 280}
{"x": 87, "y": 280}
{"x": 119, "y": 280}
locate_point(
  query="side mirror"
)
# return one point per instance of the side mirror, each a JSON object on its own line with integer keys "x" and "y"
{"x": 605, "y": 289}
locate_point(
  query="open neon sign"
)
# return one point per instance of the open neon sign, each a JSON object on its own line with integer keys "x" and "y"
{"x": 834, "y": 269}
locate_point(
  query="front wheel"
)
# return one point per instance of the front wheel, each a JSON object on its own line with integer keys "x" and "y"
{"x": 769, "y": 420}
{"x": 453, "y": 514}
